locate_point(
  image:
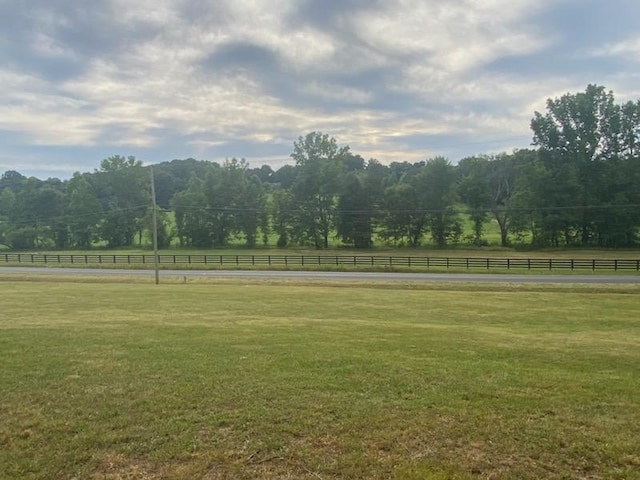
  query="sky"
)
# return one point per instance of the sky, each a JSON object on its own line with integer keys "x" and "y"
{"x": 396, "y": 80}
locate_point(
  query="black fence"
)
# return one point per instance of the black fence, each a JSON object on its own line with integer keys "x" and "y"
{"x": 298, "y": 261}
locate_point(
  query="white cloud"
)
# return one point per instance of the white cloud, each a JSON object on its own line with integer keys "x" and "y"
{"x": 48, "y": 47}
{"x": 629, "y": 49}
{"x": 381, "y": 79}
{"x": 452, "y": 36}
{"x": 337, "y": 93}
{"x": 153, "y": 12}
{"x": 29, "y": 106}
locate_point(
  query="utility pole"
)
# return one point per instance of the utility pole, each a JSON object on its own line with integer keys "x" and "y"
{"x": 155, "y": 226}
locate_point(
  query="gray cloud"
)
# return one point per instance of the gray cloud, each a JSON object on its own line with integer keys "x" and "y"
{"x": 396, "y": 80}
{"x": 586, "y": 23}
{"x": 242, "y": 55}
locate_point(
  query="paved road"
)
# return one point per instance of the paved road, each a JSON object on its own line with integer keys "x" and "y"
{"x": 335, "y": 276}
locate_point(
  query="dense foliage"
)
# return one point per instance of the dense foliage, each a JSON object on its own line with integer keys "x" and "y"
{"x": 580, "y": 187}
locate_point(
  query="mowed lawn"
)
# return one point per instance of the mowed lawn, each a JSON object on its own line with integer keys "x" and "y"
{"x": 295, "y": 381}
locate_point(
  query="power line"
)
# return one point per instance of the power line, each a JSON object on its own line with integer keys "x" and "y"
{"x": 66, "y": 216}
{"x": 455, "y": 210}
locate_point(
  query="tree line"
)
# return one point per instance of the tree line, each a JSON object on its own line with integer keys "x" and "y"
{"x": 579, "y": 186}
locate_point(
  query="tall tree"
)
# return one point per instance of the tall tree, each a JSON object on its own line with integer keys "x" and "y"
{"x": 489, "y": 186}
{"x": 577, "y": 133}
{"x": 248, "y": 201}
{"x": 281, "y": 208}
{"x": 7, "y": 210}
{"x": 220, "y": 191}
{"x": 403, "y": 221}
{"x": 123, "y": 187}
{"x": 285, "y": 176}
{"x": 189, "y": 208}
{"x": 12, "y": 180}
{"x": 354, "y": 215}
{"x": 228, "y": 201}
{"x": 360, "y": 203}
{"x": 435, "y": 186}
{"x": 84, "y": 212}
{"x": 475, "y": 192}
{"x": 38, "y": 215}
{"x": 320, "y": 162}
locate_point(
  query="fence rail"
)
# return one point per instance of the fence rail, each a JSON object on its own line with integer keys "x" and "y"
{"x": 207, "y": 261}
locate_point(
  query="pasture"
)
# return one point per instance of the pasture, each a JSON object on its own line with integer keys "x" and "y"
{"x": 228, "y": 380}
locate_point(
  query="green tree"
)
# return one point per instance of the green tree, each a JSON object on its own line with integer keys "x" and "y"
{"x": 360, "y": 200}
{"x": 12, "y": 180}
{"x": 123, "y": 187}
{"x": 37, "y": 219}
{"x": 164, "y": 231}
{"x": 475, "y": 192}
{"x": 285, "y": 176}
{"x": 252, "y": 211}
{"x": 189, "y": 208}
{"x": 320, "y": 163}
{"x": 84, "y": 212}
{"x": 551, "y": 194}
{"x": 435, "y": 186}
{"x": 247, "y": 199}
{"x": 220, "y": 196}
{"x": 354, "y": 215}
{"x": 403, "y": 220}
{"x": 282, "y": 214}
{"x": 52, "y": 207}
{"x": 578, "y": 138}
{"x": 617, "y": 220}
{"x": 7, "y": 209}
{"x": 489, "y": 186}
{"x": 226, "y": 202}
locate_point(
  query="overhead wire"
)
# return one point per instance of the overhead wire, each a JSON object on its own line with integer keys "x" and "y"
{"x": 333, "y": 211}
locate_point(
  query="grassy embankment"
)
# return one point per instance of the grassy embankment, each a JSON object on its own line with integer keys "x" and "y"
{"x": 289, "y": 380}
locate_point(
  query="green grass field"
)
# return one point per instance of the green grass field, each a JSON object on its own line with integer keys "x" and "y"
{"x": 228, "y": 380}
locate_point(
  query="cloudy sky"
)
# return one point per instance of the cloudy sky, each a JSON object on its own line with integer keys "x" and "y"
{"x": 213, "y": 79}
